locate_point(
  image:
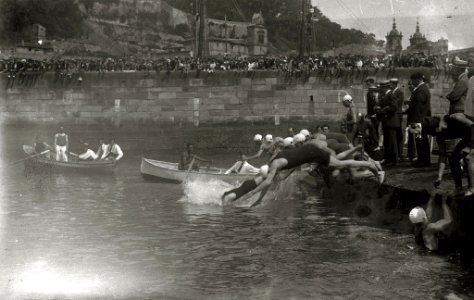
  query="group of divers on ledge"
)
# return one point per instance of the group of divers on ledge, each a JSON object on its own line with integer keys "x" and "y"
{"x": 105, "y": 151}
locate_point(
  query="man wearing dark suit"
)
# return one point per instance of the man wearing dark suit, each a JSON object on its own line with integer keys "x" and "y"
{"x": 419, "y": 107}
{"x": 400, "y": 98}
{"x": 390, "y": 124}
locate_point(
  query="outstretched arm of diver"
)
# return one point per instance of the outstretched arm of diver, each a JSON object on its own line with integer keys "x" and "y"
{"x": 443, "y": 224}
{"x": 266, "y": 183}
{"x": 259, "y": 153}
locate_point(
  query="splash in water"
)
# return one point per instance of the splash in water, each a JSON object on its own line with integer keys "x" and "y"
{"x": 200, "y": 192}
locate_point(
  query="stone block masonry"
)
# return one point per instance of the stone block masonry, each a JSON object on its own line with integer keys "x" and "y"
{"x": 144, "y": 102}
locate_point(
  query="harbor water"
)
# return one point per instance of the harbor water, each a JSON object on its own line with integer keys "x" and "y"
{"x": 118, "y": 236}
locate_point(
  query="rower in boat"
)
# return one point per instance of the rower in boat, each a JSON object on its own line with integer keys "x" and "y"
{"x": 242, "y": 167}
{"x": 188, "y": 159}
{"x": 246, "y": 186}
{"x": 115, "y": 152}
{"x": 61, "y": 144}
{"x": 103, "y": 149}
{"x": 42, "y": 148}
{"x": 311, "y": 152}
{"x": 88, "y": 154}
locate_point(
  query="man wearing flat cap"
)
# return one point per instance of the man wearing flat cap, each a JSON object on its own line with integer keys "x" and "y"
{"x": 400, "y": 97}
{"x": 419, "y": 108}
{"x": 457, "y": 97}
{"x": 390, "y": 123}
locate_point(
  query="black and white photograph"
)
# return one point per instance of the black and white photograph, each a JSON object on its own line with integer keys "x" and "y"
{"x": 236, "y": 149}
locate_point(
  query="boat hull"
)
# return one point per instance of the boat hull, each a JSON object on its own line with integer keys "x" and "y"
{"x": 41, "y": 162}
{"x": 167, "y": 171}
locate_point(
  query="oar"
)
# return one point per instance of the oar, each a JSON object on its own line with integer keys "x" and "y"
{"x": 31, "y": 156}
{"x": 189, "y": 169}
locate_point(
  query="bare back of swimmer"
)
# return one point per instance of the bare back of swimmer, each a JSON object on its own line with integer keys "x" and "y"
{"x": 311, "y": 152}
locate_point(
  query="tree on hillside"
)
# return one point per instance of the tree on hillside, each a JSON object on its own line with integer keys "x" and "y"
{"x": 61, "y": 18}
{"x": 282, "y": 18}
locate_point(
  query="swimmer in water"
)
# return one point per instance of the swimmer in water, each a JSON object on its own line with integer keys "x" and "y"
{"x": 246, "y": 186}
{"x": 434, "y": 235}
{"x": 311, "y": 152}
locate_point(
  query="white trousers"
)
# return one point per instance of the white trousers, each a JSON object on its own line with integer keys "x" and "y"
{"x": 61, "y": 153}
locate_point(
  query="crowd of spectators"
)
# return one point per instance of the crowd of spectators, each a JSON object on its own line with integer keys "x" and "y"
{"x": 26, "y": 71}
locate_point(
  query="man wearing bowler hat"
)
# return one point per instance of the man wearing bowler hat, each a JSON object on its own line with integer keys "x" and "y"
{"x": 397, "y": 92}
{"x": 419, "y": 107}
{"x": 390, "y": 123}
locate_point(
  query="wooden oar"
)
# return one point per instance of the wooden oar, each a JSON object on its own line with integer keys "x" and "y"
{"x": 189, "y": 169}
{"x": 29, "y": 157}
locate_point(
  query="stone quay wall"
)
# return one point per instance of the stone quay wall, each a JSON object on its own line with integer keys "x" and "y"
{"x": 174, "y": 105}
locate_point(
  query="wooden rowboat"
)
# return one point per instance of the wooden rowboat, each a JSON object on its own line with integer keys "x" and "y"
{"x": 74, "y": 165}
{"x": 169, "y": 171}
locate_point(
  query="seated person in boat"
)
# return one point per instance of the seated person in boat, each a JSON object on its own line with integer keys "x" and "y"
{"x": 188, "y": 159}
{"x": 103, "y": 149}
{"x": 311, "y": 152}
{"x": 445, "y": 129}
{"x": 435, "y": 235}
{"x": 41, "y": 147}
{"x": 61, "y": 144}
{"x": 242, "y": 167}
{"x": 115, "y": 152}
{"x": 88, "y": 154}
{"x": 246, "y": 186}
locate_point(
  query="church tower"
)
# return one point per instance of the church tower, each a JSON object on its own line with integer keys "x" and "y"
{"x": 417, "y": 38}
{"x": 394, "y": 41}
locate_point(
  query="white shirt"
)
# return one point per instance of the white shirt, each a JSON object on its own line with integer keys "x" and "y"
{"x": 88, "y": 154}
{"x": 245, "y": 168}
{"x": 117, "y": 151}
{"x": 104, "y": 150}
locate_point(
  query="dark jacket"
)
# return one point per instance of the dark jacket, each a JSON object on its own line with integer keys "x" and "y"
{"x": 389, "y": 111}
{"x": 400, "y": 97}
{"x": 420, "y": 105}
{"x": 457, "y": 96}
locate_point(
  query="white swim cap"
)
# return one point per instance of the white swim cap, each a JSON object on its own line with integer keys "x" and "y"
{"x": 257, "y": 138}
{"x": 347, "y": 98}
{"x": 288, "y": 142}
{"x": 299, "y": 138}
{"x": 264, "y": 171}
{"x": 305, "y": 132}
{"x": 417, "y": 215}
{"x": 268, "y": 138}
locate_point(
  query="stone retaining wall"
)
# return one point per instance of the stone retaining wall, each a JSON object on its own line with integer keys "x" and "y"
{"x": 161, "y": 103}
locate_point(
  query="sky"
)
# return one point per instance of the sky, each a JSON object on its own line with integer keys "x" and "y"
{"x": 451, "y": 19}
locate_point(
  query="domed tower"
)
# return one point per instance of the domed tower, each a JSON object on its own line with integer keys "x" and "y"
{"x": 417, "y": 38}
{"x": 394, "y": 41}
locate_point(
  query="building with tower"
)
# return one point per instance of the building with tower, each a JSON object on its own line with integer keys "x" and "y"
{"x": 419, "y": 44}
{"x": 224, "y": 37}
{"x": 394, "y": 41}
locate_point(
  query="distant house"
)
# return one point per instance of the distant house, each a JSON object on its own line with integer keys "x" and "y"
{"x": 235, "y": 38}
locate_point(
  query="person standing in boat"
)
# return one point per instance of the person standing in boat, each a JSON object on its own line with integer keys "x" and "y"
{"x": 188, "y": 159}
{"x": 115, "y": 152}
{"x": 61, "y": 145}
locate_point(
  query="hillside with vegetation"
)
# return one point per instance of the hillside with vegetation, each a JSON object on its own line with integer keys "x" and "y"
{"x": 282, "y": 18}
{"x": 144, "y": 27}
